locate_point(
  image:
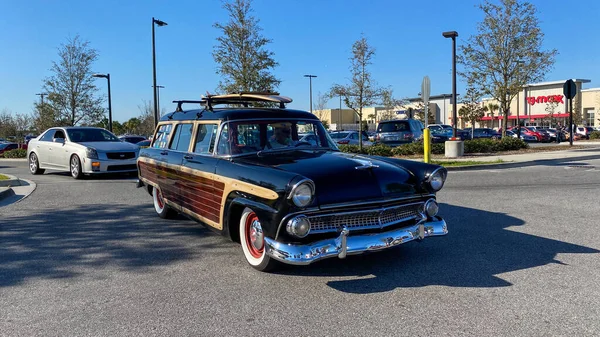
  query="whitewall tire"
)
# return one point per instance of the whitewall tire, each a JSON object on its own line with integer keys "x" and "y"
{"x": 161, "y": 208}
{"x": 252, "y": 241}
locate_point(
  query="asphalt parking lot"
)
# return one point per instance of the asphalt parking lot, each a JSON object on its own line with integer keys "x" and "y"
{"x": 91, "y": 258}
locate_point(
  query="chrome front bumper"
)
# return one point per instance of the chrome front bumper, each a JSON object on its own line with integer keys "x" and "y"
{"x": 346, "y": 244}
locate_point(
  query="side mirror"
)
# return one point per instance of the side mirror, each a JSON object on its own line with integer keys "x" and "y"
{"x": 58, "y": 140}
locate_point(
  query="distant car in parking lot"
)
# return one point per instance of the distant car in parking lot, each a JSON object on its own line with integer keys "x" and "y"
{"x": 397, "y": 132}
{"x": 132, "y": 139}
{"x": 349, "y": 138}
{"x": 524, "y": 137}
{"x": 5, "y": 147}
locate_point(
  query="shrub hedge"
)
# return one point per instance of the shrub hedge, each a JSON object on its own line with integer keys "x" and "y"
{"x": 16, "y": 153}
{"x": 471, "y": 146}
{"x": 595, "y": 135}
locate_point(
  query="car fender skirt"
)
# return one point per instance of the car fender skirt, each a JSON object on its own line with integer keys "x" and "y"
{"x": 348, "y": 244}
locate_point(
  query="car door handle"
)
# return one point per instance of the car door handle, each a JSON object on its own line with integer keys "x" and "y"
{"x": 188, "y": 157}
{"x": 164, "y": 153}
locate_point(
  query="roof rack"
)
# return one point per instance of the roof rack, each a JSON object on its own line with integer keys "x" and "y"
{"x": 242, "y": 98}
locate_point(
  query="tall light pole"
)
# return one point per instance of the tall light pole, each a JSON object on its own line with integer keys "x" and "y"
{"x": 160, "y": 24}
{"x": 519, "y": 63}
{"x": 107, "y": 76}
{"x": 42, "y": 94}
{"x": 158, "y": 87}
{"x": 310, "y": 77}
{"x": 340, "y": 114}
{"x": 453, "y": 35}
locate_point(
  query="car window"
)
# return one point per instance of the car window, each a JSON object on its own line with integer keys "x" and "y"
{"x": 47, "y": 137}
{"x": 354, "y": 136}
{"x": 182, "y": 137}
{"x": 205, "y": 138}
{"x": 394, "y": 127}
{"x": 162, "y": 136}
{"x": 59, "y": 134}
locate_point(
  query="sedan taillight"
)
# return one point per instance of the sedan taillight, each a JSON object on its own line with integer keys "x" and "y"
{"x": 343, "y": 141}
{"x": 408, "y": 135}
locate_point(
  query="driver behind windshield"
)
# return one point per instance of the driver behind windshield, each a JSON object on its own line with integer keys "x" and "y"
{"x": 281, "y": 136}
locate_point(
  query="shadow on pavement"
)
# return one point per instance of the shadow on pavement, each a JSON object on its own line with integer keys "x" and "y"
{"x": 63, "y": 243}
{"x": 478, "y": 247}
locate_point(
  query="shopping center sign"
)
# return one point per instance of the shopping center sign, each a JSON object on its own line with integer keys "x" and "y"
{"x": 545, "y": 99}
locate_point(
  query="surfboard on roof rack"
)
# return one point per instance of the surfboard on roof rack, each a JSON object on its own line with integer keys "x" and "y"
{"x": 242, "y": 98}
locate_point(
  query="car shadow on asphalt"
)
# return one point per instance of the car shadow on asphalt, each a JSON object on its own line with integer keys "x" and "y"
{"x": 480, "y": 245}
{"x": 67, "y": 243}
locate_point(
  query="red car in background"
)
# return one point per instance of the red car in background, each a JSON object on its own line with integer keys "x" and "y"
{"x": 541, "y": 137}
{"x": 4, "y": 147}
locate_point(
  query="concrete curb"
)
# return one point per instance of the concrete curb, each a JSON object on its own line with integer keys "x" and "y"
{"x": 521, "y": 163}
{"x": 11, "y": 181}
{"x": 6, "y": 192}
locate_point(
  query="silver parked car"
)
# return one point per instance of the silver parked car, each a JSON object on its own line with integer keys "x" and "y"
{"x": 350, "y": 138}
{"x": 81, "y": 150}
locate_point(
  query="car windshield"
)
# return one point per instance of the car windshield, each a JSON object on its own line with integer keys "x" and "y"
{"x": 393, "y": 127}
{"x": 251, "y": 137}
{"x": 91, "y": 135}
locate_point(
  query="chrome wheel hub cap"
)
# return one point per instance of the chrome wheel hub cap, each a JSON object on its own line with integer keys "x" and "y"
{"x": 256, "y": 235}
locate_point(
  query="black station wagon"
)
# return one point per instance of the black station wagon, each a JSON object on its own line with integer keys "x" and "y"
{"x": 244, "y": 171}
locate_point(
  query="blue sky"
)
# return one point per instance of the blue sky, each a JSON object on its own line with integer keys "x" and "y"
{"x": 309, "y": 37}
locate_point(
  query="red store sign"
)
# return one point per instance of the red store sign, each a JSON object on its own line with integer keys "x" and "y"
{"x": 545, "y": 99}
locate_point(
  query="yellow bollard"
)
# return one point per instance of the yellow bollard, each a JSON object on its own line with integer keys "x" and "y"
{"x": 427, "y": 145}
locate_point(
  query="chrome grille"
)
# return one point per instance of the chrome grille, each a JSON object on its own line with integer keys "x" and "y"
{"x": 374, "y": 218}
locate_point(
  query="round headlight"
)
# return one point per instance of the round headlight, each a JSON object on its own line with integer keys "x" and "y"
{"x": 302, "y": 195}
{"x": 436, "y": 180}
{"x": 431, "y": 208}
{"x": 298, "y": 226}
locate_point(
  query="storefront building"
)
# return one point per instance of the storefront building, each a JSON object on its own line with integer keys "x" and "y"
{"x": 539, "y": 104}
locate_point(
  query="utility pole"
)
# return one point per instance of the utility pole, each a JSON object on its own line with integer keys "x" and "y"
{"x": 42, "y": 98}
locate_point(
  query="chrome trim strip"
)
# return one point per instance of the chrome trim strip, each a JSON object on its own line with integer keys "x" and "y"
{"x": 346, "y": 244}
{"x": 379, "y": 225}
{"x": 375, "y": 202}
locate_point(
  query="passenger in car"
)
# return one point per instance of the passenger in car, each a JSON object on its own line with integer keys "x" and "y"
{"x": 281, "y": 136}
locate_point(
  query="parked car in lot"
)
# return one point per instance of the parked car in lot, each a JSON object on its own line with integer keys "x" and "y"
{"x": 442, "y": 135}
{"x": 5, "y": 146}
{"x": 132, "y": 139}
{"x": 397, "y": 132}
{"x": 485, "y": 133}
{"x": 552, "y": 133}
{"x": 524, "y": 137}
{"x": 350, "y": 138}
{"x": 541, "y": 137}
{"x": 81, "y": 151}
{"x": 584, "y": 131}
{"x": 144, "y": 143}
{"x": 245, "y": 173}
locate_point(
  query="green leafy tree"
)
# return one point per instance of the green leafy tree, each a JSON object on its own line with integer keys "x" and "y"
{"x": 506, "y": 53}
{"x": 551, "y": 110}
{"x": 389, "y": 104}
{"x": 362, "y": 91}
{"x": 72, "y": 92}
{"x": 472, "y": 111}
{"x": 243, "y": 60}
{"x": 491, "y": 107}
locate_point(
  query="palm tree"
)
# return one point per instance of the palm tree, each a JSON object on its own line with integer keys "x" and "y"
{"x": 491, "y": 107}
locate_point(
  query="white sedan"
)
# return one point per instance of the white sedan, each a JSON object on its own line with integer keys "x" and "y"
{"x": 81, "y": 150}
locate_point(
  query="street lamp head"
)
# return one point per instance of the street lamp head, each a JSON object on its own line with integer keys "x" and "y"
{"x": 100, "y": 75}
{"x": 310, "y": 75}
{"x": 451, "y": 34}
{"x": 159, "y": 22}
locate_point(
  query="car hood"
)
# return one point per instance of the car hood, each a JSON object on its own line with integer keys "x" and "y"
{"x": 111, "y": 146}
{"x": 342, "y": 177}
